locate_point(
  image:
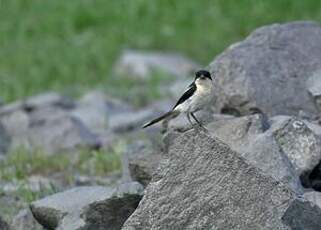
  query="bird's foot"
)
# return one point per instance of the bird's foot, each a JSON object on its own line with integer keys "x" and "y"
{"x": 200, "y": 128}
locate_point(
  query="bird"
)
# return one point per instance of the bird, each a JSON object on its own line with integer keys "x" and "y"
{"x": 197, "y": 96}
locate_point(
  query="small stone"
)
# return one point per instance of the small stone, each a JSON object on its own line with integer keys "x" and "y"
{"x": 3, "y": 225}
{"x": 88, "y": 207}
{"x": 140, "y": 65}
{"x": 24, "y": 220}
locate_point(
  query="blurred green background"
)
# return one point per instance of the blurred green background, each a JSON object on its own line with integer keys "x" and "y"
{"x": 71, "y": 45}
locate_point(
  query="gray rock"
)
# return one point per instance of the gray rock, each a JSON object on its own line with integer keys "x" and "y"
{"x": 269, "y": 70}
{"x": 5, "y": 140}
{"x": 49, "y": 129}
{"x": 177, "y": 89}
{"x": 301, "y": 145}
{"x": 10, "y": 205}
{"x": 125, "y": 122}
{"x": 4, "y": 225}
{"x": 205, "y": 185}
{"x": 140, "y": 64}
{"x": 248, "y": 137}
{"x": 92, "y": 111}
{"x": 140, "y": 161}
{"x": 111, "y": 180}
{"x": 55, "y": 131}
{"x": 95, "y": 108}
{"x": 302, "y": 214}
{"x": 207, "y": 116}
{"x": 314, "y": 197}
{"x": 314, "y": 88}
{"x": 48, "y": 99}
{"x": 24, "y": 220}
{"x": 88, "y": 207}
{"x": 17, "y": 125}
{"x": 38, "y": 101}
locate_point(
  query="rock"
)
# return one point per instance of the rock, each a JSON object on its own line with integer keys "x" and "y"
{"x": 313, "y": 197}
{"x": 3, "y": 225}
{"x": 111, "y": 180}
{"x": 17, "y": 125}
{"x": 269, "y": 70}
{"x": 176, "y": 90}
{"x": 24, "y": 220}
{"x": 141, "y": 64}
{"x": 301, "y": 145}
{"x": 126, "y": 122}
{"x": 50, "y": 99}
{"x": 93, "y": 113}
{"x": 308, "y": 213}
{"x": 49, "y": 129}
{"x": 88, "y": 207}
{"x": 55, "y": 131}
{"x": 204, "y": 183}
{"x": 10, "y": 205}
{"x": 95, "y": 108}
{"x": 206, "y": 117}
{"x": 140, "y": 161}
{"x": 248, "y": 137}
{"x": 5, "y": 140}
{"x": 314, "y": 88}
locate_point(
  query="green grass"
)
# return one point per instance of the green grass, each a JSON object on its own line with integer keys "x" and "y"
{"x": 21, "y": 164}
{"x": 71, "y": 46}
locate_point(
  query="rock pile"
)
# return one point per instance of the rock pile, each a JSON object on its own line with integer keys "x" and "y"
{"x": 257, "y": 167}
{"x": 204, "y": 184}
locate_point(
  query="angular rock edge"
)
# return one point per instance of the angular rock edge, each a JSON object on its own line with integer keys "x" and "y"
{"x": 205, "y": 185}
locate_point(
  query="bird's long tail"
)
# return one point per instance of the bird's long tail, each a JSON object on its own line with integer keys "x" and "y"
{"x": 166, "y": 115}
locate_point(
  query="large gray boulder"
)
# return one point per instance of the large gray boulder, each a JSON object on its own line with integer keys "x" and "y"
{"x": 205, "y": 185}
{"x": 270, "y": 70}
{"x": 248, "y": 137}
{"x": 88, "y": 207}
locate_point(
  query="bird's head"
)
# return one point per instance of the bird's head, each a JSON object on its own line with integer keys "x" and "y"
{"x": 203, "y": 75}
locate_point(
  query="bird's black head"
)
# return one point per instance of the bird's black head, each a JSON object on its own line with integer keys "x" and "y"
{"x": 203, "y": 74}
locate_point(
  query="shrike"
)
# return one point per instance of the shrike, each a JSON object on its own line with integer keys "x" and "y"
{"x": 198, "y": 96}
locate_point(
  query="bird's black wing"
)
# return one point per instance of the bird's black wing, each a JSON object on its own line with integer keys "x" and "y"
{"x": 188, "y": 93}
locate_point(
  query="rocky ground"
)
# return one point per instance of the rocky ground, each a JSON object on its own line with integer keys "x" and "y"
{"x": 87, "y": 164}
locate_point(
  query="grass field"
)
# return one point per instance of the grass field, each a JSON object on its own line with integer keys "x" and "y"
{"x": 70, "y": 46}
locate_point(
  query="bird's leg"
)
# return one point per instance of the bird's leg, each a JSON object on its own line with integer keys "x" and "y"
{"x": 198, "y": 122}
{"x": 189, "y": 119}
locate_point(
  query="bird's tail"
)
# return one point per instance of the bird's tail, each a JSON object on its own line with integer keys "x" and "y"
{"x": 166, "y": 115}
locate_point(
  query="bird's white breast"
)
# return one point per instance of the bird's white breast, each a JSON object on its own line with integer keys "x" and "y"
{"x": 202, "y": 96}
{"x": 200, "y": 99}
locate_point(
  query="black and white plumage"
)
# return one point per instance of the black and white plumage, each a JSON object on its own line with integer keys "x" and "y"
{"x": 197, "y": 96}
